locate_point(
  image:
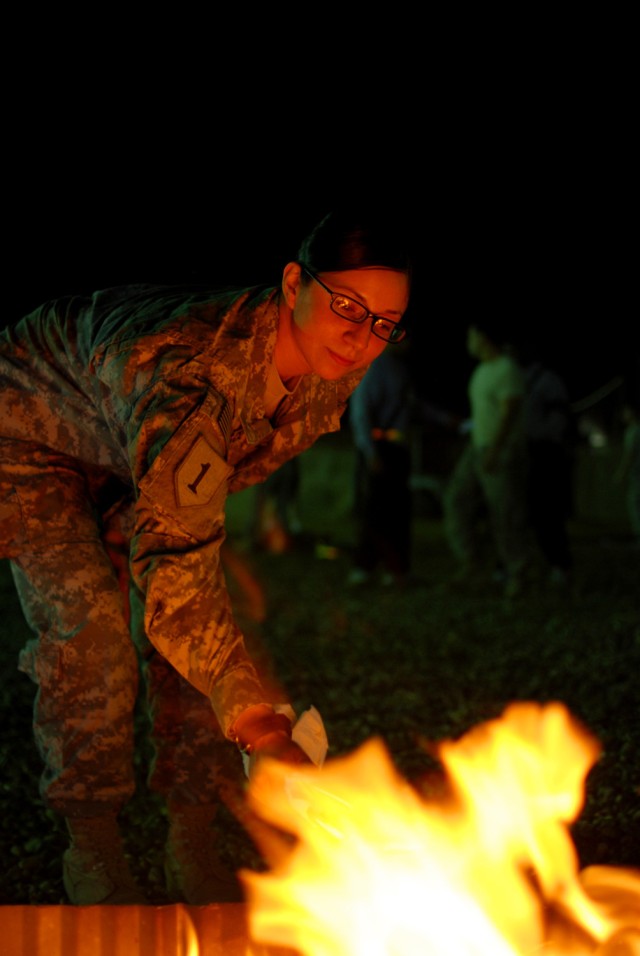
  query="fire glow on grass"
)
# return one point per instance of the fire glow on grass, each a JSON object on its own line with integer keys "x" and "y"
{"x": 489, "y": 869}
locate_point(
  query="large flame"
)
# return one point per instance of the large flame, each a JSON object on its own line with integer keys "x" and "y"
{"x": 486, "y": 868}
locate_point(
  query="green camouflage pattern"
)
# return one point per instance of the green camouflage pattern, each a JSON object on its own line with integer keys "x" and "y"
{"x": 126, "y": 418}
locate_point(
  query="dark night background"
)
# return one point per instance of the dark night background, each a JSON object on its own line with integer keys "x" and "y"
{"x": 128, "y": 159}
{"x": 554, "y": 265}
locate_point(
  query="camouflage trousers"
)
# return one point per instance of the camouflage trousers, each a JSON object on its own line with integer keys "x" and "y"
{"x": 68, "y": 533}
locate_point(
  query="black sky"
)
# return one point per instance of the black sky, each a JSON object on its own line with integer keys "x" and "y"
{"x": 555, "y": 266}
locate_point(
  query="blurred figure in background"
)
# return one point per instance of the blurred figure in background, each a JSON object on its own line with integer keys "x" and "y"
{"x": 548, "y": 423}
{"x": 489, "y": 478}
{"x": 384, "y": 410}
{"x": 277, "y": 522}
{"x": 380, "y": 412}
{"x": 627, "y": 473}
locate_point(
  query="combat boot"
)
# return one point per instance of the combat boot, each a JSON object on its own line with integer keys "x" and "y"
{"x": 94, "y": 868}
{"x": 193, "y": 872}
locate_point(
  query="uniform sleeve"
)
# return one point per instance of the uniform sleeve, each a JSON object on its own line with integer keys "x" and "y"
{"x": 175, "y": 557}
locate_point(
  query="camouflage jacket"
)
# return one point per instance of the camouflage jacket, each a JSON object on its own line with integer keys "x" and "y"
{"x": 163, "y": 387}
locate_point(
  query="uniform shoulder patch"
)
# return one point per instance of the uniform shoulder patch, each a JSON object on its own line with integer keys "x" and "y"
{"x": 199, "y": 474}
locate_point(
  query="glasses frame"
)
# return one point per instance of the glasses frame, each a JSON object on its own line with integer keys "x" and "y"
{"x": 397, "y": 332}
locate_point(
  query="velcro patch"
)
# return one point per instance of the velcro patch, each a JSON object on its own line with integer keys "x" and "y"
{"x": 199, "y": 475}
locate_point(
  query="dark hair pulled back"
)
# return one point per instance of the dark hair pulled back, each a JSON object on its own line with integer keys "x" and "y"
{"x": 357, "y": 239}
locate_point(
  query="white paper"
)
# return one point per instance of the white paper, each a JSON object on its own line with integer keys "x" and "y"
{"x": 308, "y": 732}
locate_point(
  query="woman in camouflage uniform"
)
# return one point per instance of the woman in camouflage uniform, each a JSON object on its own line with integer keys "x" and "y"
{"x": 126, "y": 418}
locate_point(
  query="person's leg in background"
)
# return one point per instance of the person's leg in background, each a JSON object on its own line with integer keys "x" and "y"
{"x": 462, "y": 503}
{"x": 366, "y": 553}
{"x": 395, "y": 513}
{"x": 549, "y": 501}
{"x": 505, "y": 494}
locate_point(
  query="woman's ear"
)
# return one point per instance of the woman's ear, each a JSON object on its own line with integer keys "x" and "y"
{"x": 291, "y": 282}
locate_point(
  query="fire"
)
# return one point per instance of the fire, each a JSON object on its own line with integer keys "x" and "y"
{"x": 487, "y": 868}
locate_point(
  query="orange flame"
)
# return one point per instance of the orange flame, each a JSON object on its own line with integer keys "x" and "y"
{"x": 488, "y": 869}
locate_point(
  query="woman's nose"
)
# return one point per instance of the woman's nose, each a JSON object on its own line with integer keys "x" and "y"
{"x": 358, "y": 332}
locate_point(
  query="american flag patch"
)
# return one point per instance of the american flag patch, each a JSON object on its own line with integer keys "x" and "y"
{"x": 224, "y": 421}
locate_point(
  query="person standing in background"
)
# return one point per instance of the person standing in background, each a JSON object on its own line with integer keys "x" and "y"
{"x": 489, "y": 478}
{"x": 380, "y": 412}
{"x": 627, "y": 474}
{"x": 548, "y": 422}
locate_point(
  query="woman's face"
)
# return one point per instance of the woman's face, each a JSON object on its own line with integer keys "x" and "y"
{"x": 332, "y": 346}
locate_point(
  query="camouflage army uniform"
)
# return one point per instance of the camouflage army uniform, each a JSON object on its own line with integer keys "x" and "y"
{"x": 126, "y": 418}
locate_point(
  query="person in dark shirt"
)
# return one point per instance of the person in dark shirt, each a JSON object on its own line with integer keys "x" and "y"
{"x": 380, "y": 412}
{"x": 548, "y": 423}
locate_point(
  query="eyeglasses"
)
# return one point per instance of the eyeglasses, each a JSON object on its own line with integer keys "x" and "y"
{"x": 354, "y": 311}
